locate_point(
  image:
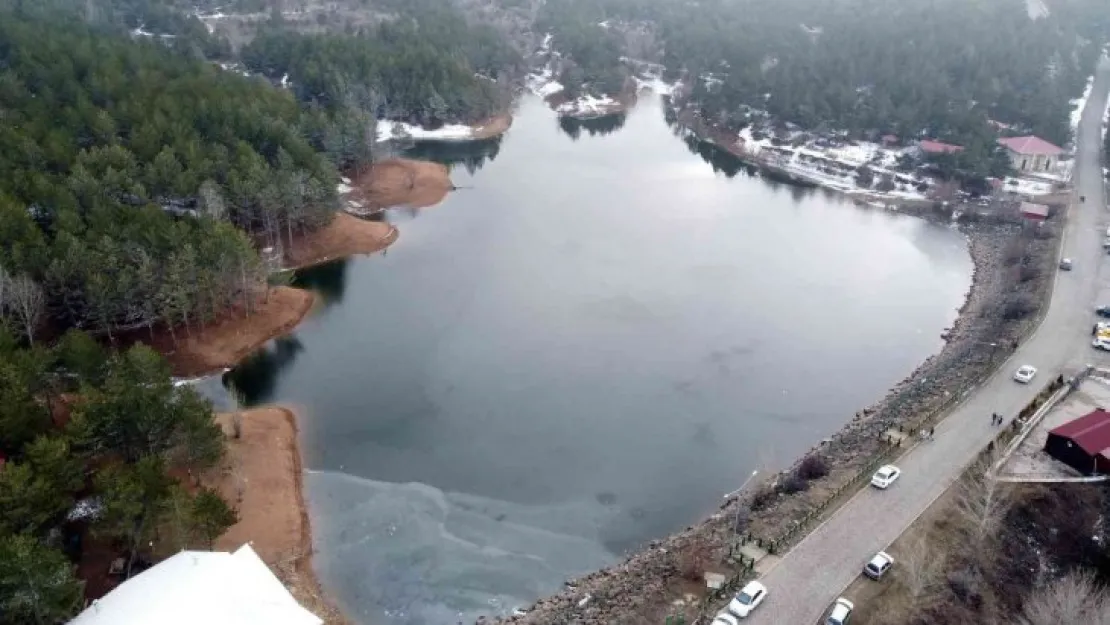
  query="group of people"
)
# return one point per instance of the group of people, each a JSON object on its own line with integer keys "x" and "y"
{"x": 997, "y": 419}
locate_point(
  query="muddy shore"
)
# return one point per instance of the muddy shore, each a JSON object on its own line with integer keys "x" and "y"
{"x": 345, "y": 236}
{"x": 645, "y": 587}
{"x": 398, "y": 182}
{"x": 261, "y": 478}
{"x": 233, "y": 336}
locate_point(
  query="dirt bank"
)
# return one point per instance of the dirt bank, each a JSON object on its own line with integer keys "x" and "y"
{"x": 493, "y": 127}
{"x": 235, "y": 334}
{"x": 261, "y": 478}
{"x": 346, "y": 235}
{"x": 1013, "y": 269}
{"x": 399, "y": 182}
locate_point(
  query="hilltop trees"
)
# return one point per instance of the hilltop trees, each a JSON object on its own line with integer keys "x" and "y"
{"x": 129, "y": 175}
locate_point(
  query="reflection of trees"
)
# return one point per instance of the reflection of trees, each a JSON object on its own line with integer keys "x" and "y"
{"x": 328, "y": 280}
{"x": 604, "y": 125}
{"x": 722, "y": 161}
{"x": 470, "y": 154}
{"x": 256, "y": 377}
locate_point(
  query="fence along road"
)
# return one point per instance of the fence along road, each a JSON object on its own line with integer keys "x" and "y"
{"x": 809, "y": 577}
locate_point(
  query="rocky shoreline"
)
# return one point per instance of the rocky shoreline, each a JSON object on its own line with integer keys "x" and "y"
{"x": 1012, "y": 266}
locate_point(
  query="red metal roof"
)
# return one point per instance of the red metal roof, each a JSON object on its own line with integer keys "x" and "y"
{"x": 1030, "y": 145}
{"x": 1091, "y": 431}
{"x": 938, "y": 147}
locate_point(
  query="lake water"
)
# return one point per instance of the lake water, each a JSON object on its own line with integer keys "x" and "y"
{"x": 605, "y": 329}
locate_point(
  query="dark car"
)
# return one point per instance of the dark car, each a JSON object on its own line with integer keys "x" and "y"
{"x": 1103, "y": 311}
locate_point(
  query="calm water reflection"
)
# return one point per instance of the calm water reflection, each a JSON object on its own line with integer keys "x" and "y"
{"x": 582, "y": 348}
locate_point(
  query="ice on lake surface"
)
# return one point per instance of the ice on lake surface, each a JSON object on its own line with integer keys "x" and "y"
{"x": 412, "y": 554}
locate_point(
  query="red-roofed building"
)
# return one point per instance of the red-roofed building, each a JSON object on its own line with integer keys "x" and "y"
{"x": 1083, "y": 444}
{"x": 928, "y": 146}
{"x": 1030, "y": 154}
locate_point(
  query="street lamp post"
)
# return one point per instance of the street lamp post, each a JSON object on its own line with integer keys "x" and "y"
{"x": 736, "y": 493}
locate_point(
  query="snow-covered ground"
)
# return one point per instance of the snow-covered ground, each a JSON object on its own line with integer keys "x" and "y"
{"x": 1026, "y": 186}
{"x": 543, "y": 83}
{"x": 655, "y": 84}
{"x": 388, "y": 130}
{"x": 1079, "y": 104}
{"x": 588, "y": 105}
{"x": 1036, "y": 9}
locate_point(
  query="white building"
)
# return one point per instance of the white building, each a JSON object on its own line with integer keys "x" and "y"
{"x": 200, "y": 587}
{"x": 1031, "y": 154}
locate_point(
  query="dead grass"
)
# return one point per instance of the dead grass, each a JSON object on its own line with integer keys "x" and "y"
{"x": 231, "y": 337}
{"x": 346, "y": 235}
{"x": 401, "y": 182}
{"x": 261, "y": 478}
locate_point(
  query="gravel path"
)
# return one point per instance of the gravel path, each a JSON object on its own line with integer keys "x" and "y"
{"x": 809, "y": 577}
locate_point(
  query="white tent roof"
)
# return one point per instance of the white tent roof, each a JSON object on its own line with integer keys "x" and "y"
{"x": 200, "y": 587}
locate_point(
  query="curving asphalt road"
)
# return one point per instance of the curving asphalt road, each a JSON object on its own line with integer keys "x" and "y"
{"x": 805, "y": 582}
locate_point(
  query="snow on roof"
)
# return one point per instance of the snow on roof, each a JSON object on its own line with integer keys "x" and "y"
{"x": 192, "y": 587}
{"x": 1030, "y": 145}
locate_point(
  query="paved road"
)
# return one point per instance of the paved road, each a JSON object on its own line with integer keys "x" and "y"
{"x": 808, "y": 578}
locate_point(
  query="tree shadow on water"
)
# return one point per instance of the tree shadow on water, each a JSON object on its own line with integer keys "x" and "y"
{"x": 594, "y": 126}
{"x": 255, "y": 379}
{"x": 473, "y": 155}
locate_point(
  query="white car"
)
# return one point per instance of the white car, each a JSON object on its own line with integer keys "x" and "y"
{"x": 878, "y": 566}
{"x": 724, "y": 618}
{"x": 885, "y": 476}
{"x": 748, "y": 599}
{"x": 1025, "y": 374}
{"x": 1101, "y": 342}
{"x": 841, "y": 612}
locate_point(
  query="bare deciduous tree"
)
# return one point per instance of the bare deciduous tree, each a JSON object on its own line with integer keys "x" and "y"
{"x": 26, "y": 301}
{"x": 981, "y": 505}
{"x": 922, "y": 571}
{"x": 1074, "y": 599}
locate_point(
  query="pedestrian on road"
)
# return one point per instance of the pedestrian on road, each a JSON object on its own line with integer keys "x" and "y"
{"x": 931, "y": 430}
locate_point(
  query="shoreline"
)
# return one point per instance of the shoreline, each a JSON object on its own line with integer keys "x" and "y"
{"x": 226, "y": 341}
{"x": 648, "y": 585}
{"x": 262, "y": 477}
{"x": 586, "y": 107}
{"x": 347, "y": 235}
{"x": 397, "y": 183}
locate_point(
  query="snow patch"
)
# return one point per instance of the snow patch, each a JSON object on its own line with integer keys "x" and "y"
{"x": 388, "y": 131}
{"x": 1026, "y": 186}
{"x": 656, "y": 84}
{"x": 1079, "y": 104}
{"x": 587, "y": 105}
{"x": 343, "y": 188}
{"x": 543, "y": 83}
{"x": 1036, "y": 9}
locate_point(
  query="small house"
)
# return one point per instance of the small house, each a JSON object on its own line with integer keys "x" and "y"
{"x": 928, "y": 146}
{"x": 1034, "y": 212}
{"x": 1083, "y": 444}
{"x": 1031, "y": 154}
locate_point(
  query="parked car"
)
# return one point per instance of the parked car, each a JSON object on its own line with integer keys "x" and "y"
{"x": 841, "y": 612}
{"x": 885, "y": 476}
{"x": 1025, "y": 374}
{"x": 1103, "y": 311}
{"x": 748, "y": 599}
{"x": 1065, "y": 264}
{"x": 1101, "y": 342}
{"x": 724, "y": 618}
{"x": 879, "y": 565}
